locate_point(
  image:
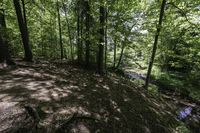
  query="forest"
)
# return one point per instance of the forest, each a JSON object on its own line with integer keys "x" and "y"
{"x": 99, "y": 66}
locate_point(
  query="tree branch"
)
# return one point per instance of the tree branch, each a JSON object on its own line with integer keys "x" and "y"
{"x": 183, "y": 13}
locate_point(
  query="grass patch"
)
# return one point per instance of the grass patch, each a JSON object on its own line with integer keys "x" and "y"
{"x": 178, "y": 82}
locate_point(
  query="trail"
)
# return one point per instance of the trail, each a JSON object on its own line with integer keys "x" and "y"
{"x": 83, "y": 101}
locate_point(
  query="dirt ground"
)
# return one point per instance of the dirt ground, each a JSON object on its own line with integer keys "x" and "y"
{"x": 71, "y": 99}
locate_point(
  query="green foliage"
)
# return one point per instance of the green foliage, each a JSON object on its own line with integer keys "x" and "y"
{"x": 182, "y": 129}
{"x": 153, "y": 89}
{"x": 131, "y": 25}
{"x": 138, "y": 82}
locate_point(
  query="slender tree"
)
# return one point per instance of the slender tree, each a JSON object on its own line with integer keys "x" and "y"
{"x": 79, "y": 28}
{"x": 81, "y": 33}
{"x": 125, "y": 42}
{"x": 122, "y": 52}
{"x": 60, "y": 31}
{"x": 68, "y": 30}
{"x": 114, "y": 54}
{"x": 87, "y": 25}
{"x": 162, "y": 9}
{"x": 24, "y": 31}
{"x": 106, "y": 39}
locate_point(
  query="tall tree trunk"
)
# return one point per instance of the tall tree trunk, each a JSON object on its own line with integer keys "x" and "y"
{"x": 162, "y": 9}
{"x": 87, "y": 25}
{"x": 115, "y": 50}
{"x": 79, "y": 30}
{"x": 4, "y": 51}
{"x": 24, "y": 12}
{"x": 121, "y": 54}
{"x": 69, "y": 32}
{"x": 81, "y": 35}
{"x": 70, "y": 39}
{"x": 24, "y": 31}
{"x": 41, "y": 36}
{"x": 106, "y": 41}
{"x": 102, "y": 37}
{"x": 52, "y": 43}
{"x": 60, "y": 31}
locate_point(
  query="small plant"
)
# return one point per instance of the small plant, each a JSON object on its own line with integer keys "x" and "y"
{"x": 182, "y": 129}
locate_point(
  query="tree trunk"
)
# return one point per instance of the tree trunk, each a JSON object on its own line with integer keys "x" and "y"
{"x": 79, "y": 28}
{"x": 87, "y": 25}
{"x": 70, "y": 40}
{"x": 115, "y": 50}
{"x": 4, "y": 51}
{"x": 155, "y": 43}
{"x": 17, "y": 119}
{"x": 121, "y": 55}
{"x": 24, "y": 12}
{"x": 60, "y": 32}
{"x": 106, "y": 41}
{"x": 24, "y": 31}
{"x": 102, "y": 38}
{"x": 81, "y": 35}
{"x": 69, "y": 32}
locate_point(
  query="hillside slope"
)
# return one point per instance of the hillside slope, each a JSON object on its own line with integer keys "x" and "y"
{"x": 71, "y": 99}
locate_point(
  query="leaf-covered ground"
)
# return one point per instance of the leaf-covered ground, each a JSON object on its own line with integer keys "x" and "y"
{"x": 71, "y": 99}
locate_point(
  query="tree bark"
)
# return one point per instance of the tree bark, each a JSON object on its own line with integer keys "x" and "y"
{"x": 79, "y": 28}
{"x": 4, "y": 50}
{"x": 60, "y": 32}
{"x": 69, "y": 32}
{"x": 115, "y": 50}
{"x": 106, "y": 40}
{"x": 87, "y": 25}
{"x": 81, "y": 35}
{"x": 24, "y": 12}
{"x": 102, "y": 38}
{"x": 24, "y": 31}
{"x": 162, "y": 9}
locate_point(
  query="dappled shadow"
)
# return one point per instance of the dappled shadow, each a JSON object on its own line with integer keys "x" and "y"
{"x": 106, "y": 102}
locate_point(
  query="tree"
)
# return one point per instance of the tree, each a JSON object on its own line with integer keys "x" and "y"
{"x": 24, "y": 31}
{"x": 4, "y": 51}
{"x": 155, "y": 43}
{"x": 102, "y": 19}
{"x": 106, "y": 38}
{"x": 114, "y": 53}
{"x": 69, "y": 31}
{"x": 79, "y": 30}
{"x": 87, "y": 25}
{"x": 122, "y": 52}
{"x": 60, "y": 31}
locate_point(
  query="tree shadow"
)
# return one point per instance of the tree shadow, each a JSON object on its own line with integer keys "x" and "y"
{"x": 98, "y": 104}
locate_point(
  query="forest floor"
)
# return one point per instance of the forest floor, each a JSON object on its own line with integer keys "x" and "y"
{"x": 71, "y": 99}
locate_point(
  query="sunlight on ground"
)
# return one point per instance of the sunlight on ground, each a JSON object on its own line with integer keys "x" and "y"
{"x": 60, "y": 94}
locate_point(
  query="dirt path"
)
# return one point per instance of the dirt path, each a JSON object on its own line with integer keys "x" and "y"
{"x": 84, "y": 101}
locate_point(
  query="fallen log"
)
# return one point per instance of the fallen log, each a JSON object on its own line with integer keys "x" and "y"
{"x": 17, "y": 119}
